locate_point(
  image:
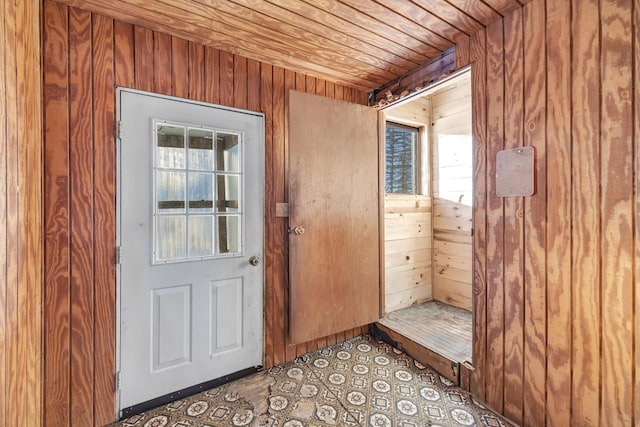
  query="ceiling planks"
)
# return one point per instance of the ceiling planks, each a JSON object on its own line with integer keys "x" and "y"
{"x": 359, "y": 43}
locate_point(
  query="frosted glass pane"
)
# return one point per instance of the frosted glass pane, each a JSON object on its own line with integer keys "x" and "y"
{"x": 200, "y": 192}
{"x": 228, "y": 193}
{"x": 228, "y": 234}
{"x": 170, "y": 191}
{"x": 227, "y": 152}
{"x": 200, "y": 236}
{"x": 170, "y": 237}
{"x": 200, "y": 149}
{"x": 170, "y": 147}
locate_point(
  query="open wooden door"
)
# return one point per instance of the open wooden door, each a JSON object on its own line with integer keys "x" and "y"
{"x": 334, "y": 251}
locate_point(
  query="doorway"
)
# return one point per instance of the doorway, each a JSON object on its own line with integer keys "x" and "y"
{"x": 428, "y": 219}
{"x": 190, "y": 244}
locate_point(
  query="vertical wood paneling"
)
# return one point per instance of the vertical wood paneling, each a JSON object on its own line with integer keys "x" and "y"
{"x": 479, "y": 129}
{"x": 559, "y": 283}
{"x": 289, "y": 83}
{"x": 535, "y": 224}
{"x": 123, "y": 57}
{"x": 226, "y": 78}
{"x": 84, "y": 63}
{"x": 196, "y": 72}
{"x": 280, "y": 235}
{"x": 4, "y": 341}
{"x": 56, "y": 211}
{"x": 636, "y": 210}
{"x": 104, "y": 156}
{"x": 143, "y": 51}
{"x": 240, "y": 82}
{"x": 617, "y": 214}
{"x": 212, "y": 76}
{"x": 161, "y": 63}
{"x": 495, "y": 219}
{"x": 586, "y": 212}
{"x": 513, "y": 233}
{"x": 81, "y": 216}
{"x": 179, "y": 67}
{"x": 569, "y": 334}
{"x": 21, "y": 220}
{"x": 266, "y": 101}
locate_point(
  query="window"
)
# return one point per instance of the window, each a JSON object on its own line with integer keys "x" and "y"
{"x": 197, "y": 184}
{"x": 401, "y": 150}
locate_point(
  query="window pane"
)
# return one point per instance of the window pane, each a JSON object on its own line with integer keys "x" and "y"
{"x": 170, "y": 237}
{"x": 400, "y": 159}
{"x": 200, "y": 192}
{"x": 228, "y": 234}
{"x": 227, "y": 153}
{"x": 200, "y": 236}
{"x": 227, "y": 198}
{"x": 170, "y": 147}
{"x": 170, "y": 193}
{"x": 200, "y": 149}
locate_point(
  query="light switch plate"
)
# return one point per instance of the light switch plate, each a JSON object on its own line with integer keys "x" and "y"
{"x": 515, "y": 172}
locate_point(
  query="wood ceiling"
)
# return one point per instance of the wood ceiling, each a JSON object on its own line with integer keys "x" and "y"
{"x": 361, "y": 43}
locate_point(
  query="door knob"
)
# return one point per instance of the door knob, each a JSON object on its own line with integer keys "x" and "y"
{"x": 254, "y": 260}
{"x": 299, "y": 230}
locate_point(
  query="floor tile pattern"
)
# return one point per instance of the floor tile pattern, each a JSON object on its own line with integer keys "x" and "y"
{"x": 361, "y": 382}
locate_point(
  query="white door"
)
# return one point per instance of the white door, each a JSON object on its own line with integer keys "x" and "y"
{"x": 191, "y": 202}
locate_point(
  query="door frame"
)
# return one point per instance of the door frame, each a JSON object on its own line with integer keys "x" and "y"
{"x": 382, "y": 143}
{"x": 118, "y": 234}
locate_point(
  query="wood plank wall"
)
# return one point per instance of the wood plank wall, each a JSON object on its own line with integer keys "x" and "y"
{"x": 20, "y": 214}
{"x": 408, "y": 241}
{"x": 452, "y": 220}
{"x": 86, "y": 56}
{"x": 407, "y": 222}
{"x": 555, "y": 274}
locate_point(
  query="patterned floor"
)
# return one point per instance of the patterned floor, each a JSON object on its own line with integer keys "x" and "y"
{"x": 360, "y": 382}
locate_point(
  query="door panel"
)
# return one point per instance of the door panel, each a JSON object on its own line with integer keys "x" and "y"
{"x": 191, "y": 215}
{"x": 333, "y": 196}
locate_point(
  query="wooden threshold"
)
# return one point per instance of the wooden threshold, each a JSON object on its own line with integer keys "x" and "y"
{"x": 447, "y": 368}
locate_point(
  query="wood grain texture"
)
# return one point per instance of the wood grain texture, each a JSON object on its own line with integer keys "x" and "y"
{"x": 495, "y": 219}
{"x": 535, "y": 216}
{"x": 162, "y": 63}
{"x": 462, "y": 53}
{"x": 317, "y": 203}
{"x": 4, "y": 49}
{"x": 586, "y": 236}
{"x": 514, "y": 223}
{"x": 617, "y": 213}
{"x": 636, "y": 211}
{"x": 479, "y": 84}
{"x": 196, "y": 73}
{"x": 56, "y": 185}
{"x": 80, "y": 226}
{"x": 81, "y": 254}
{"x": 559, "y": 221}
{"x": 179, "y": 67}
{"x": 21, "y": 277}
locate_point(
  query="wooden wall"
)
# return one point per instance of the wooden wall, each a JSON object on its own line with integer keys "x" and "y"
{"x": 555, "y": 274}
{"x": 86, "y": 57}
{"x": 407, "y": 222}
{"x": 407, "y": 248}
{"x": 452, "y": 193}
{"x": 20, "y": 214}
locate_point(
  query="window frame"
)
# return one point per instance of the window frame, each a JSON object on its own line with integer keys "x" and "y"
{"x": 420, "y": 170}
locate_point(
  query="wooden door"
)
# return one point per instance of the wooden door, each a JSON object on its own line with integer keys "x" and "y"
{"x": 334, "y": 216}
{"x": 191, "y": 236}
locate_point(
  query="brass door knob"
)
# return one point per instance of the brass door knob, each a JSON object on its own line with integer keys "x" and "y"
{"x": 254, "y": 260}
{"x": 299, "y": 230}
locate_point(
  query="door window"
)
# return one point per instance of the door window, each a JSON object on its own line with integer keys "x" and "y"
{"x": 197, "y": 190}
